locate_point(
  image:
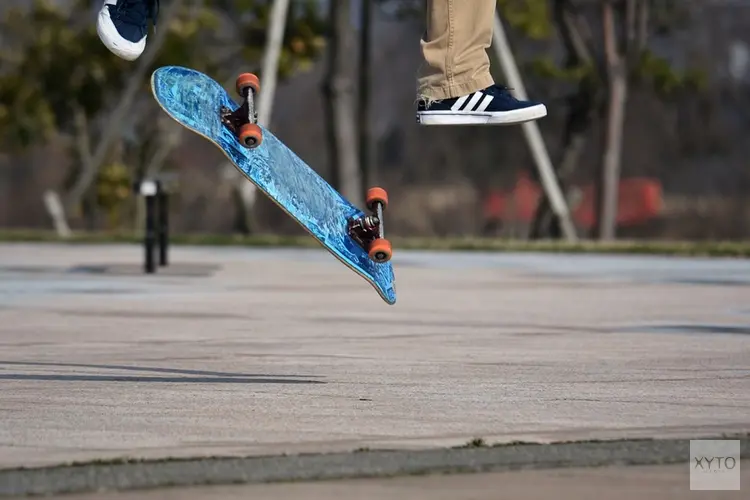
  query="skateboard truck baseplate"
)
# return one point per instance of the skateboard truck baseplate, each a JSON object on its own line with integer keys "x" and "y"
{"x": 234, "y": 120}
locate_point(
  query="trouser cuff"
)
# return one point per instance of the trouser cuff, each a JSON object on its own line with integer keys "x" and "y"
{"x": 458, "y": 89}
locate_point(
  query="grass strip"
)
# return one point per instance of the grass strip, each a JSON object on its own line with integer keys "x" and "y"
{"x": 735, "y": 249}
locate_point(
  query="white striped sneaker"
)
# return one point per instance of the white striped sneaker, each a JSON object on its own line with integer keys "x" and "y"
{"x": 494, "y": 105}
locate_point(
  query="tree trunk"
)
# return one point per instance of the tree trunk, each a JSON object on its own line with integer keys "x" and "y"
{"x": 607, "y": 199}
{"x": 365, "y": 131}
{"x": 341, "y": 120}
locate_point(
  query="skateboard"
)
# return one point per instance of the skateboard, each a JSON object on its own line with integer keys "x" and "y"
{"x": 354, "y": 237}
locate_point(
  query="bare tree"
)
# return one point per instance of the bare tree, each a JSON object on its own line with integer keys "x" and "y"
{"x": 616, "y": 72}
{"x": 619, "y": 58}
{"x": 610, "y": 59}
{"x": 582, "y": 105}
{"x": 338, "y": 89}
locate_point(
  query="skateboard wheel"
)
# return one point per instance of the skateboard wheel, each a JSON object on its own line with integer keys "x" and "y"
{"x": 251, "y": 135}
{"x": 247, "y": 80}
{"x": 380, "y": 250}
{"x": 376, "y": 195}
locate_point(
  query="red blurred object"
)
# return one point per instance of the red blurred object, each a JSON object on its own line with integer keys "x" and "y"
{"x": 640, "y": 200}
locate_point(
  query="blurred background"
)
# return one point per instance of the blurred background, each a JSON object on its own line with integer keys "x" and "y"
{"x": 649, "y": 111}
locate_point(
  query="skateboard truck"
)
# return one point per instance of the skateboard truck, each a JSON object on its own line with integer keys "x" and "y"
{"x": 369, "y": 231}
{"x": 242, "y": 122}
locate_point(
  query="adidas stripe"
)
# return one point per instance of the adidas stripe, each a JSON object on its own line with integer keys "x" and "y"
{"x": 474, "y": 102}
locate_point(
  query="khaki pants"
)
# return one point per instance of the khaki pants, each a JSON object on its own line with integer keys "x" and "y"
{"x": 454, "y": 47}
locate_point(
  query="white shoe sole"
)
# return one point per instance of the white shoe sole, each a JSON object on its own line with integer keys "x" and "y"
{"x": 111, "y": 39}
{"x": 482, "y": 118}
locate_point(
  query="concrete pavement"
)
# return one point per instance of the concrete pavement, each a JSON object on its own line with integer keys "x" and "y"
{"x": 238, "y": 352}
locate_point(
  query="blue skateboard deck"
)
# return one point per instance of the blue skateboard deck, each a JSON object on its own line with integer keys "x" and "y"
{"x": 194, "y": 100}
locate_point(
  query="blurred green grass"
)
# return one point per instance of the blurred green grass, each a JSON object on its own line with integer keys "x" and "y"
{"x": 736, "y": 249}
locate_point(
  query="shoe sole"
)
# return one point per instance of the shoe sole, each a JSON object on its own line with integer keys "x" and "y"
{"x": 482, "y": 118}
{"x": 111, "y": 39}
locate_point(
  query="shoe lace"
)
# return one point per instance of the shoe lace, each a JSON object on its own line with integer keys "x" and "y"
{"x": 137, "y": 12}
{"x": 503, "y": 92}
{"x": 501, "y": 89}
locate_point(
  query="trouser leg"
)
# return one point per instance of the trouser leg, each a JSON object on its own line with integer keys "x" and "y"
{"x": 454, "y": 48}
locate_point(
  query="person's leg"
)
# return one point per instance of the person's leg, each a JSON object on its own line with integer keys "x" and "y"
{"x": 122, "y": 26}
{"x": 454, "y": 84}
{"x": 454, "y": 47}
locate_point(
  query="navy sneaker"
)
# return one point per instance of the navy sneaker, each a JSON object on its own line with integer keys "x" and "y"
{"x": 494, "y": 105}
{"x": 123, "y": 25}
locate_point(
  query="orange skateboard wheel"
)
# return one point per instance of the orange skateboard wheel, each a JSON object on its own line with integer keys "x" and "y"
{"x": 246, "y": 80}
{"x": 380, "y": 250}
{"x": 251, "y": 135}
{"x": 376, "y": 195}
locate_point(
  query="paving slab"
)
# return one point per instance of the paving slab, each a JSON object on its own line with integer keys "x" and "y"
{"x": 241, "y": 352}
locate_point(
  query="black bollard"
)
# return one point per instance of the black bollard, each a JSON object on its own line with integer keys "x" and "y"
{"x": 163, "y": 230}
{"x": 149, "y": 240}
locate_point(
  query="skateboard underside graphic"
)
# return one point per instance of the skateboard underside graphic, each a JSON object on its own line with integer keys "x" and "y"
{"x": 354, "y": 237}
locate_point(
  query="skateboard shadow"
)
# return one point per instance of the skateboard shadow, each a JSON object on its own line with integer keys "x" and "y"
{"x": 185, "y": 376}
